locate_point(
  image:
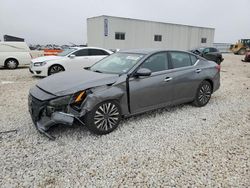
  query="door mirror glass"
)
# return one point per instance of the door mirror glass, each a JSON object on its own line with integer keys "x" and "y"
{"x": 72, "y": 56}
{"x": 143, "y": 72}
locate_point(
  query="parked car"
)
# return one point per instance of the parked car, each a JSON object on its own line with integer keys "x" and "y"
{"x": 13, "y": 54}
{"x": 247, "y": 57}
{"x": 209, "y": 53}
{"x": 70, "y": 59}
{"x": 124, "y": 84}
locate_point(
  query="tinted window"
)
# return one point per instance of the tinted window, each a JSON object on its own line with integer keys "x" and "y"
{"x": 213, "y": 50}
{"x": 193, "y": 59}
{"x": 180, "y": 59}
{"x": 157, "y": 62}
{"x": 206, "y": 50}
{"x": 83, "y": 52}
{"x": 97, "y": 52}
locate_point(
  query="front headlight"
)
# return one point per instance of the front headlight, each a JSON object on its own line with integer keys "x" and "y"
{"x": 73, "y": 100}
{"x": 38, "y": 64}
{"x": 61, "y": 101}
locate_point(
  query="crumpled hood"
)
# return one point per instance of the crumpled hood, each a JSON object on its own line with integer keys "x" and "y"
{"x": 65, "y": 83}
{"x": 46, "y": 58}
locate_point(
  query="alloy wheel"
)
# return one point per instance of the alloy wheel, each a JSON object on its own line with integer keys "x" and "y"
{"x": 106, "y": 116}
{"x": 204, "y": 94}
{"x": 55, "y": 69}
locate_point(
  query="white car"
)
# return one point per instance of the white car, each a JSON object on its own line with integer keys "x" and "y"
{"x": 13, "y": 54}
{"x": 74, "y": 58}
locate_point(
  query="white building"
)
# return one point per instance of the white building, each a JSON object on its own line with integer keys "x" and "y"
{"x": 125, "y": 33}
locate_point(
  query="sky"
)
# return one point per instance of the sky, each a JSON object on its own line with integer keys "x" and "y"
{"x": 64, "y": 21}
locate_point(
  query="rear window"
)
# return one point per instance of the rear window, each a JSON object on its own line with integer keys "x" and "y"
{"x": 213, "y": 50}
{"x": 180, "y": 59}
{"x": 97, "y": 52}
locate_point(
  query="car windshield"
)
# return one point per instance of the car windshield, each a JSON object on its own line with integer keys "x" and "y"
{"x": 118, "y": 63}
{"x": 66, "y": 51}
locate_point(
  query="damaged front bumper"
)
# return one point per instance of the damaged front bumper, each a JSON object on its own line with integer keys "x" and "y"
{"x": 46, "y": 122}
{"x": 44, "y": 118}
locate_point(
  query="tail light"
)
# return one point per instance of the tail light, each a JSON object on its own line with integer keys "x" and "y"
{"x": 218, "y": 67}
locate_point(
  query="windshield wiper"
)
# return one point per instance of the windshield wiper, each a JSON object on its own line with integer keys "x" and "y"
{"x": 97, "y": 71}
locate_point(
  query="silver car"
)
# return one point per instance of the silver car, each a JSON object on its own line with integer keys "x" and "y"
{"x": 123, "y": 84}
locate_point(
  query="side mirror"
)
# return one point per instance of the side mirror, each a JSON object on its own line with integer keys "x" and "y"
{"x": 86, "y": 68}
{"x": 72, "y": 56}
{"x": 143, "y": 72}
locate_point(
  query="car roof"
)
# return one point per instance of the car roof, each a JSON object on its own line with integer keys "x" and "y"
{"x": 89, "y": 47}
{"x": 148, "y": 51}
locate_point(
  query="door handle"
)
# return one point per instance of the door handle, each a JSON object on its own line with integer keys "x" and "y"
{"x": 198, "y": 70}
{"x": 167, "y": 79}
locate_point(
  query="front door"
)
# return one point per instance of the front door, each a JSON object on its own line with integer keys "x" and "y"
{"x": 78, "y": 62}
{"x": 154, "y": 91}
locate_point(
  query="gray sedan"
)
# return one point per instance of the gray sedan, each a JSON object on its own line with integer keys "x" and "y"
{"x": 123, "y": 84}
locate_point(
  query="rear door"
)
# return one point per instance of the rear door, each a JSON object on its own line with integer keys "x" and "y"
{"x": 152, "y": 91}
{"x": 186, "y": 75}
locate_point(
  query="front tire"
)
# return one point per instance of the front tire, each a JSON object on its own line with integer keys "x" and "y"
{"x": 203, "y": 94}
{"x": 11, "y": 63}
{"x": 55, "y": 69}
{"x": 104, "y": 118}
{"x": 242, "y": 51}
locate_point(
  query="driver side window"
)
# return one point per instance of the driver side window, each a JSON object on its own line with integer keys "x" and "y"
{"x": 83, "y": 52}
{"x": 157, "y": 62}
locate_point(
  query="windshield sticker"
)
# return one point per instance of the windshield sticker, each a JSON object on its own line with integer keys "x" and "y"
{"x": 134, "y": 58}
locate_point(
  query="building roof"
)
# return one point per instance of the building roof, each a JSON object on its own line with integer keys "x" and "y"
{"x": 107, "y": 16}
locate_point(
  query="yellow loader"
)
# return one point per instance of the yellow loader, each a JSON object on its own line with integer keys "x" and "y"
{"x": 241, "y": 47}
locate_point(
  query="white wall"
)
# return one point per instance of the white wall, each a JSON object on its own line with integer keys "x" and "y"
{"x": 140, "y": 34}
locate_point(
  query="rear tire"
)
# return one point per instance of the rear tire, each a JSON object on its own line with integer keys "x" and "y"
{"x": 11, "y": 63}
{"x": 203, "y": 94}
{"x": 104, "y": 118}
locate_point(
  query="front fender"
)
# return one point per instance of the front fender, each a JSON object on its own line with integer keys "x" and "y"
{"x": 104, "y": 93}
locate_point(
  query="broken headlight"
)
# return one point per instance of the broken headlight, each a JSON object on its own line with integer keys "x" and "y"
{"x": 77, "y": 100}
{"x": 61, "y": 101}
{"x": 74, "y": 101}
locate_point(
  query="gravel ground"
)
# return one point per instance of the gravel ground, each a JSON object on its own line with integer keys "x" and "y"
{"x": 175, "y": 147}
